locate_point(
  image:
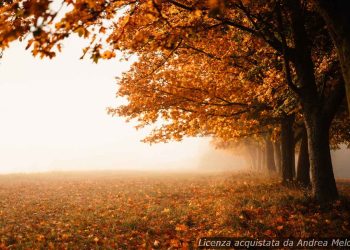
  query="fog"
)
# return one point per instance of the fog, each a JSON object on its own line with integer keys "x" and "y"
{"x": 341, "y": 162}
{"x": 53, "y": 118}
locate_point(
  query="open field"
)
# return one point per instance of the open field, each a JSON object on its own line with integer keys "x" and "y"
{"x": 142, "y": 210}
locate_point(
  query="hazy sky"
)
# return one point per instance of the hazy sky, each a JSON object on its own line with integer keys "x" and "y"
{"x": 53, "y": 117}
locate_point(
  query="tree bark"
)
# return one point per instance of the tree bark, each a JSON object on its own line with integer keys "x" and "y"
{"x": 324, "y": 188}
{"x": 303, "y": 167}
{"x": 270, "y": 160}
{"x": 337, "y": 17}
{"x": 287, "y": 142}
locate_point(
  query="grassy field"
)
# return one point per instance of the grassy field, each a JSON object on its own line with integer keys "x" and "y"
{"x": 123, "y": 210}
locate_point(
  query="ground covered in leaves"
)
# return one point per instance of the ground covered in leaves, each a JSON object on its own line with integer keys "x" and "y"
{"x": 122, "y": 210}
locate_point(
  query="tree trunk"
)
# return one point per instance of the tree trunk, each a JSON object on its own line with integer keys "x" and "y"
{"x": 324, "y": 188}
{"x": 303, "y": 167}
{"x": 263, "y": 158}
{"x": 287, "y": 141}
{"x": 336, "y": 14}
{"x": 251, "y": 157}
{"x": 344, "y": 55}
{"x": 270, "y": 160}
{"x": 318, "y": 114}
{"x": 258, "y": 158}
{"x": 278, "y": 156}
{"x": 293, "y": 168}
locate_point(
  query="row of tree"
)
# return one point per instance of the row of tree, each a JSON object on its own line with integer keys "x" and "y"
{"x": 269, "y": 71}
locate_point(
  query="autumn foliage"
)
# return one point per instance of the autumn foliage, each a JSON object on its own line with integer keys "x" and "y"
{"x": 124, "y": 210}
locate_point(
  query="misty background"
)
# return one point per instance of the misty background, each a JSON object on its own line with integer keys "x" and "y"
{"x": 53, "y": 118}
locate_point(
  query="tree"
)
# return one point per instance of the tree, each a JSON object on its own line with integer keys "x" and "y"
{"x": 290, "y": 30}
{"x": 206, "y": 97}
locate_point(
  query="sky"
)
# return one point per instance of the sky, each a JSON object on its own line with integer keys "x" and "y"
{"x": 53, "y": 117}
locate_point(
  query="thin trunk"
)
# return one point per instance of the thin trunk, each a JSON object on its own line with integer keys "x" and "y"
{"x": 270, "y": 160}
{"x": 303, "y": 167}
{"x": 250, "y": 158}
{"x": 344, "y": 55}
{"x": 258, "y": 158}
{"x": 337, "y": 17}
{"x": 263, "y": 158}
{"x": 254, "y": 151}
{"x": 251, "y": 152}
{"x": 293, "y": 169}
{"x": 278, "y": 156}
{"x": 287, "y": 142}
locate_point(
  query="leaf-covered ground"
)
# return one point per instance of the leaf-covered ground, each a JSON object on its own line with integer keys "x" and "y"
{"x": 120, "y": 210}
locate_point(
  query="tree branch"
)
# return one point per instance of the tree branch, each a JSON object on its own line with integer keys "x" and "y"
{"x": 286, "y": 61}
